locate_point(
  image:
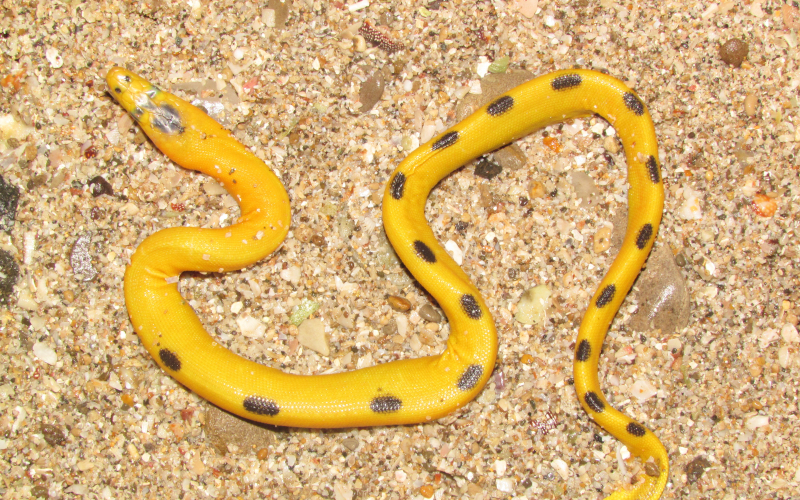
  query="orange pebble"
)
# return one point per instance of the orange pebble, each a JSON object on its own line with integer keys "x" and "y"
{"x": 552, "y": 143}
{"x": 426, "y": 491}
{"x": 527, "y": 359}
{"x": 764, "y": 206}
{"x": 127, "y": 400}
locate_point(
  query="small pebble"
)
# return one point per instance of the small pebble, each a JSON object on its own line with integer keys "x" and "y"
{"x": 537, "y": 190}
{"x": 750, "y": 103}
{"x": 734, "y": 52}
{"x": 80, "y": 259}
{"x": 45, "y": 353}
{"x": 311, "y": 334}
{"x": 487, "y": 169}
{"x": 262, "y": 453}
{"x": 9, "y": 273}
{"x": 532, "y": 305}
{"x": 602, "y": 239}
{"x": 53, "y": 434}
{"x": 694, "y": 469}
{"x": 427, "y": 490}
{"x": 398, "y": 303}
{"x": 764, "y": 205}
{"x": 371, "y": 91}
{"x": 429, "y": 313}
{"x": 9, "y": 198}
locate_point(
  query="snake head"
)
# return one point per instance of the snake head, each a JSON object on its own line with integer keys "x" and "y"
{"x": 145, "y": 102}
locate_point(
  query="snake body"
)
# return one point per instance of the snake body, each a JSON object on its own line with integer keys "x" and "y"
{"x": 405, "y": 391}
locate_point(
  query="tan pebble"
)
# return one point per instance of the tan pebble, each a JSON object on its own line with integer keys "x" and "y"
{"x": 398, "y": 303}
{"x": 304, "y": 234}
{"x": 432, "y": 327}
{"x": 764, "y": 205}
{"x": 602, "y": 239}
{"x": 537, "y": 190}
{"x": 262, "y": 454}
{"x": 750, "y": 103}
{"x": 360, "y": 43}
{"x": 611, "y": 144}
{"x": 177, "y": 430}
{"x": 651, "y": 469}
{"x": 196, "y": 465}
{"x": 69, "y": 296}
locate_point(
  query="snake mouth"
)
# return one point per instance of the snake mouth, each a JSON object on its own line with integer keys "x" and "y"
{"x": 143, "y": 101}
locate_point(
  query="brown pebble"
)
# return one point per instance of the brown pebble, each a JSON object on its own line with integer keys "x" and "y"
{"x": 262, "y": 454}
{"x": 29, "y": 153}
{"x": 398, "y": 303}
{"x": 750, "y": 103}
{"x": 53, "y": 434}
{"x": 318, "y": 240}
{"x": 429, "y": 313}
{"x": 734, "y": 52}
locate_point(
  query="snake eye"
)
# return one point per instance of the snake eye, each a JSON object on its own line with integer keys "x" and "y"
{"x": 117, "y": 90}
{"x": 126, "y": 79}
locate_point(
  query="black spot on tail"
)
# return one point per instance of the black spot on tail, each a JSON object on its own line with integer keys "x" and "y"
{"x": 261, "y": 406}
{"x": 447, "y": 139}
{"x": 652, "y": 167}
{"x": 170, "y": 359}
{"x": 606, "y": 296}
{"x": 424, "y": 252}
{"x": 645, "y": 233}
{"x": 594, "y": 402}
{"x": 385, "y": 404}
{"x": 566, "y": 81}
{"x": 470, "y": 377}
{"x": 500, "y": 106}
{"x": 470, "y": 306}
{"x": 583, "y": 351}
{"x": 398, "y": 184}
{"x": 635, "y": 429}
{"x": 633, "y": 103}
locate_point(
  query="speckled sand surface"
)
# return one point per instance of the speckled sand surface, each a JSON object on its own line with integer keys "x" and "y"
{"x": 86, "y": 413}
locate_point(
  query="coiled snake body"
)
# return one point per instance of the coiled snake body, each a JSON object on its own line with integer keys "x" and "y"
{"x": 400, "y": 392}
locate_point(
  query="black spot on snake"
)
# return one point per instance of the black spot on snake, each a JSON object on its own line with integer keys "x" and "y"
{"x": 635, "y": 429}
{"x": 424, "y": 252}
{"x": 385, "y": 404}
{"x": 470, "y": 377}
{"x": 470, "y": 306}
{"x": 633, "y": 103}
{"x": 645, "y": 233}
{"x": 606, "y": 296}
{"x": 500, "y": 105}
{"x": 447, "y": 139}
{"x": 170, "y": 359}
{"x": 566, "y": 81}
{"x": 398, "y": 184}
{"x": 261, "y": 406}
{"x": 167, "y": 120}
{"x": 583, "y": 351}
{"x": 652, "y": 167}
{"x": 594, "y": 402}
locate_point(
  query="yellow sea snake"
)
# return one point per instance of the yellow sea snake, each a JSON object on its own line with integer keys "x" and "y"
{"x": 406, "y": 391}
